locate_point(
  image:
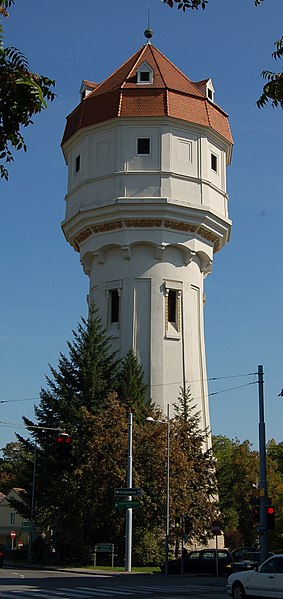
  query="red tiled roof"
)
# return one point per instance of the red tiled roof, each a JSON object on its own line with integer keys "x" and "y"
{"x": 171, "y": 94}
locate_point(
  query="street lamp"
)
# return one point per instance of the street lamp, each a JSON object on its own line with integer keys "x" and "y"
{"x": 129, "y": 511}
{"x": 167, "y": 517}
{"x": 32, "y": 505}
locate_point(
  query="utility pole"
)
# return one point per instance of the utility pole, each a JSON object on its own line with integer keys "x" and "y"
{"x": 129, "y": 511}
{"x": 32, "y": 506}
{"x": 167, "y": 491}
{"x": 263, "y": 499}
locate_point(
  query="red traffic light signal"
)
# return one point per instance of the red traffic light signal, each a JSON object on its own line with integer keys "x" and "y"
{"x": 270, "y": 517}
{"x": 64, "y": 445}
{"x": 64, "y": 439}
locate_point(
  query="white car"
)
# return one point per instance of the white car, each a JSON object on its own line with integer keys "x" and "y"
{"x": 265, "y": 580}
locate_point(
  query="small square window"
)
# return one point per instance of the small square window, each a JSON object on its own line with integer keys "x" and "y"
{"x": 214, "y": 162}
{"x": 145, "y": 76}
{"x": 144, "y": 145}
{"x": 77, "y": 163}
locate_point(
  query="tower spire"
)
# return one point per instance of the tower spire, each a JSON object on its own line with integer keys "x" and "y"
{"x": 148, "y": 33}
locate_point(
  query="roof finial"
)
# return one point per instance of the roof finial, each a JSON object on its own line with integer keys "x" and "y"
{"x": 148, "y": 33}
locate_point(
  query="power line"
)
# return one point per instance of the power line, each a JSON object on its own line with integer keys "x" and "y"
{"x": 233, "y": 388}
{"x": 214, "y": 378}
{"x": 22, "y": 399}
{"x": 16, "y": 425}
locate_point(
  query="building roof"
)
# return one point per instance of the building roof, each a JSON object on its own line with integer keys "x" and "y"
{"x": 171, "y": 93}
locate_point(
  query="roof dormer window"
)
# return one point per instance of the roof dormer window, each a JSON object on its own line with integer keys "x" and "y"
{"x": 206, "y": 87}
{"x": 144, "y": 74}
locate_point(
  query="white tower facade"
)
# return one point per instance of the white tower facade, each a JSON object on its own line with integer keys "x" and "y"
{"x": 147, "y": 208}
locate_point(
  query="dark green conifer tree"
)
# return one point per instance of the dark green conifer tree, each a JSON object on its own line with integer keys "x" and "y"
{"x": 131, "y": 388}
{"x": 78, "y": 387}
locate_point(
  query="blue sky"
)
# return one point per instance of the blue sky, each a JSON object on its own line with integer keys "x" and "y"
{"x": 43, "y": 289}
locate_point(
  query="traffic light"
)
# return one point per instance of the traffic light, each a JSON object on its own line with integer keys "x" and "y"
{"x": 255, "y": 509}
{"x": 188, "y": 524}
{"x": 177, "y": 522}
{"x": 270, "y": 517}
{"x": 64, "y": 445}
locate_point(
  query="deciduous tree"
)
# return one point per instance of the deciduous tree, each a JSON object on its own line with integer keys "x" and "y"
{"x": 22, "y": 95}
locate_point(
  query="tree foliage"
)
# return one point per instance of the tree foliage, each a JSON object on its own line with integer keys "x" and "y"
{"x": 273, "y": 89}
{"x": 89, "y": 396}
{"x": 22, "y": 95}
{"x": 237, "y": 469}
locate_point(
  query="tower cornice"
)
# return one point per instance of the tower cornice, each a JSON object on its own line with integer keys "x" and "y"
{"x": 151, "y": 215}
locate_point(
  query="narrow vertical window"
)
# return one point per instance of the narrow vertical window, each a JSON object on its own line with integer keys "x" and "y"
{"x": 114, "y": 309}
{"x": 173, "y": 299}
{"x": 172, "y": 305}
{"x": 12, "y": 519}
{"x": 77, "y": 163}
{"x": 214, "y": 162}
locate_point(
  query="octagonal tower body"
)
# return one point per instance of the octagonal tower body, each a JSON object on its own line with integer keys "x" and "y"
{"x": 147, "y": 208}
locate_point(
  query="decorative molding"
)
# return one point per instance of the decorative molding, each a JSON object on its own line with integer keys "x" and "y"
{"x": 188, "y": 256}
{"x": 180, "y": 226}
{"x": 143, "y": 223}
{"x": 148, "y": 223}
{"x": 160, "y": 252}
{"x": 207, "y": 234}
{"x": 126, "y": 250}
{"x": 100, "y": 257}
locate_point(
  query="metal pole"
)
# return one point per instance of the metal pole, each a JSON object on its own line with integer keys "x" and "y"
{"x": 262, "y": 472}
{"x": 167, "y": 493}
{"x": 129, "y": 511}
{"x": 32, "y": 505}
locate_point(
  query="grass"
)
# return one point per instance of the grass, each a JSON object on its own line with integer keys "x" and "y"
{"x": 138, "y": 569}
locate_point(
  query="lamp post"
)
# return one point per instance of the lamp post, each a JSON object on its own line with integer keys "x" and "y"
{"x": 167, "y": 491}
{"x": 263, "y": 499}
{"x": 32, "y": 505}
{"x": 167, "y": 502}
{"x": 129, "y": 511}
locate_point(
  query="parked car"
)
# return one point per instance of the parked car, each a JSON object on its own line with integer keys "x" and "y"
{"x": 3, "y": 550}
{"x": 203, "y": 561}
{"x": 265, "y": 580}
{"x": 249, "y": 561}
{"x": 239, "y": 553}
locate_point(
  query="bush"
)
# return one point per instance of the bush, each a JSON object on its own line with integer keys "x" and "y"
{"x": 148, "y": 548}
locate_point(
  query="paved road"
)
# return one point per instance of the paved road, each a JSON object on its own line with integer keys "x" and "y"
{"x": 43, "y": 584}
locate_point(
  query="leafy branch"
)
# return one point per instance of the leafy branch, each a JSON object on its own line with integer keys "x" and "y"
{"x": 22, "y": 95}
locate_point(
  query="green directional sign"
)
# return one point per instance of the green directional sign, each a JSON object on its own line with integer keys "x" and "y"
{"x": 104, "y": 548}
{"x": 124, "y": 492}
{"x": 28, "y": 526}
{"x": 124, "y": 505}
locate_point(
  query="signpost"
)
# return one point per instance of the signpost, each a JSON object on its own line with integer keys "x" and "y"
{"x": 29, "y": 525}
{"x": 13, "y": 535}
{"x": 124, "y": 492}
{"x": 104, "y": 548}
{"x": 124, "y": 505}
